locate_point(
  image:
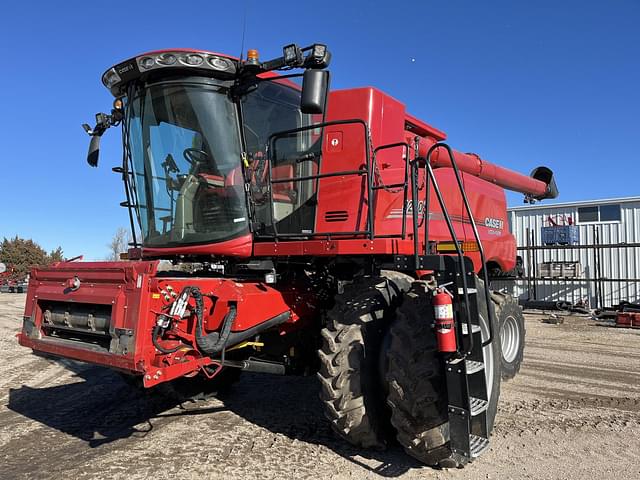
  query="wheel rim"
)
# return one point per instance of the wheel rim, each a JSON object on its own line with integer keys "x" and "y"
{"x": 487, "y": 353}
{"x": 510, "y": 339}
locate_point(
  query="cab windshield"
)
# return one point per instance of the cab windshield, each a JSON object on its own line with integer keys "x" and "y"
{"x": 185, "y": 152}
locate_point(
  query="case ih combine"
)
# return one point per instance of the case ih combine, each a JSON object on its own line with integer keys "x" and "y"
{"x": 307, "y": 231}
{"x": 8, "y": 282}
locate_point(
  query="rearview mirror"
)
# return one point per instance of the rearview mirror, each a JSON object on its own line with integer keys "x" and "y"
{"x": 315, "y": 84}
{"x": 94, "y": 151}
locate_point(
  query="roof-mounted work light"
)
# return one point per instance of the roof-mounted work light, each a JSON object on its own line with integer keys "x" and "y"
{"x": 319, "y": 57}
{"x": 315, "y": 56}
{"x": 150, "y": 63}
{"x": 292, "y": 55}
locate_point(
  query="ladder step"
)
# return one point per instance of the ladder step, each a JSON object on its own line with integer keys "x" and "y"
{"x": 477, "y": 445}
{"x": 474, "y": 329}
{"x": 473, "y": 366}
{"x": 470, "y": 291}
{"x": 477, "y": 405}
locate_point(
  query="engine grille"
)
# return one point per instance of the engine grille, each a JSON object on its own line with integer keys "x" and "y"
{"x": 336, "y": 216}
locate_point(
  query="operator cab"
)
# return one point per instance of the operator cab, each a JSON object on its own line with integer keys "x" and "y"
{"x": 197, "y": 128}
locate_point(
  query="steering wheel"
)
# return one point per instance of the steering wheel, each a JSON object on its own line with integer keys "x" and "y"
{"x": 194, "y": 155}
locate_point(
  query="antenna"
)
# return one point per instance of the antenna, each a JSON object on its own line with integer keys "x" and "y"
{"x": 244, "y": 28}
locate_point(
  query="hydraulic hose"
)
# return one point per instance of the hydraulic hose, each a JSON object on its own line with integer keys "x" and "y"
{"x": 213, "y": 342}
{"x": 154, "y": 338}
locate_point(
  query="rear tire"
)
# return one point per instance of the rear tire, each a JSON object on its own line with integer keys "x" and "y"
{"x": 417, "y": 387}
{"x": 512, "y": 333}
{"x": 351, "y": 382}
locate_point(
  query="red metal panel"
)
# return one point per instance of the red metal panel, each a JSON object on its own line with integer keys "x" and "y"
{"x": 238, "y": 247}
{"x": 418, "y": 127}
{"x": 344, "y": 149}
{"x": 256, "y": 301}
{"x": 628, "y": 319}
{"x": 108, "y": 360}
{"x": 119, "y": 284}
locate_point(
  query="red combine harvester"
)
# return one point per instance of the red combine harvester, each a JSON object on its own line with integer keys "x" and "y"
{"x": 282, "y": 228}
{"x": 8, "y": 282}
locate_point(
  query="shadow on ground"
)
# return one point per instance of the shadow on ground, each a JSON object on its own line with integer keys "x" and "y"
{"x": 290, "y": 406}
{"x": 102, "y": 408}
{"x": 98, "y": 410}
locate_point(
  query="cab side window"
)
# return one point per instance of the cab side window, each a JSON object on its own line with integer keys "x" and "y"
{"x": 274, "y": 106}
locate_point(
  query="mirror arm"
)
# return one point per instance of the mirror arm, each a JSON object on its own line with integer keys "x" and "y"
{"x": 103, "y": 122}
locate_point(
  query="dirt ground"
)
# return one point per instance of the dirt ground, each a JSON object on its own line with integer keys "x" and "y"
{"x": 572, "y": 413}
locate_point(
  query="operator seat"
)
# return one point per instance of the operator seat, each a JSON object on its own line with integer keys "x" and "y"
{"x": 283, "y": 194}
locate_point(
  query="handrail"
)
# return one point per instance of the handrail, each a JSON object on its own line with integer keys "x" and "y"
{"x": 370, "y": 232}
{"x": 463, "y": 270}
{"x": 396, "y": 185}
{"x": 474, "y": 227}
{"x": 368, "y": 170}
{"x": 126, "y": 158}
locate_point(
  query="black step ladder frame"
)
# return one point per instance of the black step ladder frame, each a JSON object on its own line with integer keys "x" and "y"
{"x": 468, "y": 400}
{"x": 467, "y": 393}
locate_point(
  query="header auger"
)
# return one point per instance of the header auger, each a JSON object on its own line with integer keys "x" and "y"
{"x": 284, "y": 228}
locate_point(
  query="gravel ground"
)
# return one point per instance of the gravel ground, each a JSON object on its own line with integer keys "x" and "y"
{"x": 573, "y": 412}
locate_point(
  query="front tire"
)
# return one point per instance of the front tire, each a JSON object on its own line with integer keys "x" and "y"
{"x": 352, "y": 387}
{"x": 417, "y": 387}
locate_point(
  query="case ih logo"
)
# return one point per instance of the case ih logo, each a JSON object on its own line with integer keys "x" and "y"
{"x": 493, "y": 223}
{"x": 124, "y": 68}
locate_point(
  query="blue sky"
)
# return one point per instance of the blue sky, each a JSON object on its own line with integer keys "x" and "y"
{"x": 521, "y": 83}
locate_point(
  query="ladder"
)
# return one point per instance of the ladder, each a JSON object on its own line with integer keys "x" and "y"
{"x": 468, "y": 395}
{"x": 467, "y": 387}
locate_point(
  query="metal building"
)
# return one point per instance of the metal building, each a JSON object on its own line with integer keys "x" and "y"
{"x": 601, "y": 267}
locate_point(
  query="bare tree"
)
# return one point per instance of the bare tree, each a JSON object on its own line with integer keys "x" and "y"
{"x": 119, "y": 244}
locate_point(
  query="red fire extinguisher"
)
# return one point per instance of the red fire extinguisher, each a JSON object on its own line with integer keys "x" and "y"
{"x": 445, "y": 331}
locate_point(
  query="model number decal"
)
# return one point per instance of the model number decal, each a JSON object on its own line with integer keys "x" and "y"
{"x": 494, "y": 223}
{"x": 409, "y": 206}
